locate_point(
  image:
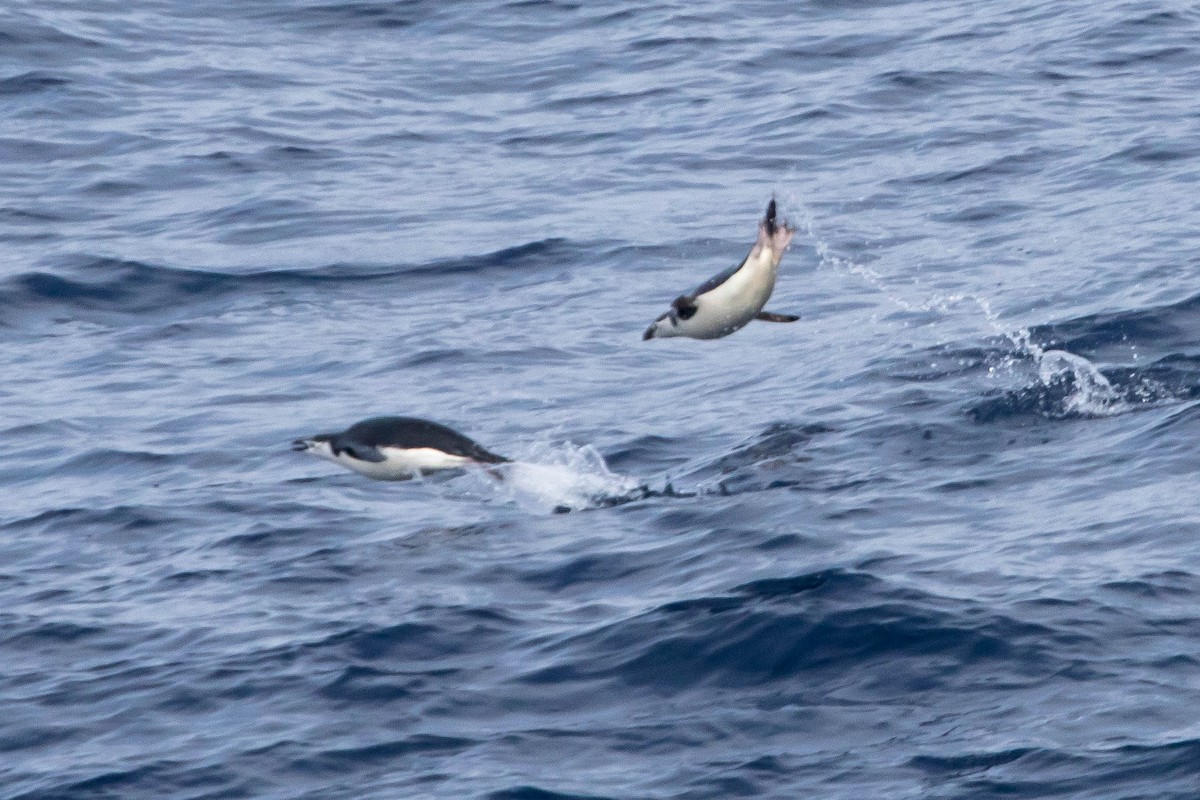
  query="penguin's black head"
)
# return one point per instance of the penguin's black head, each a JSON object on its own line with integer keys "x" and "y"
{"x": 770, "y": 217}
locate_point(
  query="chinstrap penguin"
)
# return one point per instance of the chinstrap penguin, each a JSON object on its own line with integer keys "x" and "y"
{"x": 398, "y": 448}
{"x": 726, "y": 302}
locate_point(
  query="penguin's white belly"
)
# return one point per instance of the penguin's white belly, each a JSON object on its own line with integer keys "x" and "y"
{"x": 731, "y": 305}
{"x": 401, "y": 463}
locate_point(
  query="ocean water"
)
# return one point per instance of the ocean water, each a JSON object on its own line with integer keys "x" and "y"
{"x": 938, "y": 539}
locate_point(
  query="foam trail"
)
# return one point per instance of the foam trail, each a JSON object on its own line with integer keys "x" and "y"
{"x": 556, "y": 477}
{"x": 1091, "y": 393}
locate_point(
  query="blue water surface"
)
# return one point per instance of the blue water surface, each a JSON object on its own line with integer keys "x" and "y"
{"x": 938, "y": 539}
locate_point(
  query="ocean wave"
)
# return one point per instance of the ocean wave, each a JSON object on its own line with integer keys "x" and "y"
{"x": 838, "y": 628}
{"x": 32, "y": 82}
{"x": 88, "y": 284}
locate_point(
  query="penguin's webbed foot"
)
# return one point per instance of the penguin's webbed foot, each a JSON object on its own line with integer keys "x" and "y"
{"x": 768, "y": 316}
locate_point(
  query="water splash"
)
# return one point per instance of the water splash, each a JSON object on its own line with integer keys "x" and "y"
{"x": 562, "y": 477}
{"x": 1088, "y": 392}
{"x": 1081, "y": 387}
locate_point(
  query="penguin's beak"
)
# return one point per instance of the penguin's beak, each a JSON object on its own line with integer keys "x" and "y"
{"x": 649, "y": 334}
{"x": 301, "y": 445}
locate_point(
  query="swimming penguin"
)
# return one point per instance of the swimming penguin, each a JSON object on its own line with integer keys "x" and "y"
{"x": 398, "y": 448}
{"x": 726, "y": 302}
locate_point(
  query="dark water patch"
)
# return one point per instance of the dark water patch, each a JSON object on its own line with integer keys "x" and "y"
{"x": 992, "y": 170}
{"x": 25, "y": 738}
{"x": 35, "y": 39}
{"x": 354, "y": 15}
{"x": 569, "y": 145}
{"x": 37, "y": 152}
{"x": 252, "y": 221}
{"x": 786, "y": 587}
{"x": 983, "y": 212}
{"x": 339, "y": 760}
{"x": 1168, "y": 585}
{"x": 783, "y": 126}
{"x": 293, "y": 154}
{"x": 543, "y": 5}
{"x": 28, "y": 216}
{"x": 532, "y": 256}
{"x": 827, "y": 53}
{"x": 917, "y": 88}
{"x": 656, "y": 43}
{"x": 34, "y": 82}
{"x": 537, "y": 793}
{"x": 111, "y": 188}
{"x": 211, "y": 76}
{"x": 1184, "y": 56}
{"x": 196, "y": 576}
{"x": 601, "y": 568}
{"x": 275, "y": 158}
{"x": 1154, "y": 153}
{"x": 447, "y": 357}
{"x": 780, "y": 439}
{"x": 605, "y": 99}
{"x": 833, "y": 628}
{"x": 233, "y": 162}
{"x": 967, "y": 763}
{"x": 264, "y": 537}
{"x": 51, "y": 634}
{"x": 649, "y": 449}
{"x": 776, "y": 459}
{"x": 456, "y": 633}
{"x": 78, "y": 521}
{"x": 104, "y": 459}
{"x": 356, "y": 684}
{"x": 1154, "y": 21}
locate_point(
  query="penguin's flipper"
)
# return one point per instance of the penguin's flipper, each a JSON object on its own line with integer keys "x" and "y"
{"x": 767, "y": 316}
{"x": 362, "y": 452}
{"x": 685, "y": 307}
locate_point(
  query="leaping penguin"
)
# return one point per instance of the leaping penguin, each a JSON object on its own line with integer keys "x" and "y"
{"x": 398, "y": 448}
{"x": 726, "y": 302}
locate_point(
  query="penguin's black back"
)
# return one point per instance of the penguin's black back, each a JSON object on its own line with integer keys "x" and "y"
{"x": 410, "y": 432}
